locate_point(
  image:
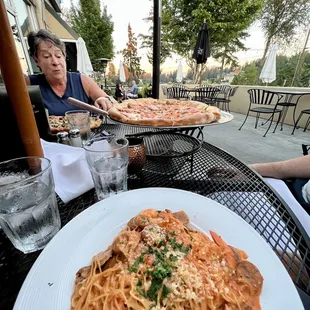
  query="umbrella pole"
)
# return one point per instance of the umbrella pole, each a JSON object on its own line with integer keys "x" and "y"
{"x": 16, "y": 88}
{"x": 156, "y": 48}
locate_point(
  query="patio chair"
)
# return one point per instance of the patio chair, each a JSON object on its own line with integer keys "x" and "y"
{"x": 206, "y": 94}
{"x": 164, "y": 88}
{"x": 307, "y": 111}
{"x": 263, "y": 102}
{"x": 222, "y": 95}
{"x": 226, "y": 100}
{"x": 177, "y": 92}
{"x": 11, "y": 140}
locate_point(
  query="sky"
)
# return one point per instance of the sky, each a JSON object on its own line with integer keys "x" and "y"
{"x": 124, "y": 12}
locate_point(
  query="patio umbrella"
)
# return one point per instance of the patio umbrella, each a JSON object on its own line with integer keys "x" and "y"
{"x": 83, "y": 62}
{"x": 122, "y": 76}
{"x": 179, "y": 77}
{"x": 268, "y": 73}
{"x": 202, "y": 48}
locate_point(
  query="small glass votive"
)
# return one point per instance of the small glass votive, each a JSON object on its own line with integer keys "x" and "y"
{"x": 137, "y": 155}
{"x": 28, "y": 206}
{"x": 79, "y": 119}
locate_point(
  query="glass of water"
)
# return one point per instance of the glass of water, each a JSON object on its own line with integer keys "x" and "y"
{"x": 28, "y": 207}
{"x": 107, "y": 159}
{"x": 79, "y": 119}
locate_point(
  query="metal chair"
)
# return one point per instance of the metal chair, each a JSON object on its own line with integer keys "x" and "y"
{"x": 263, "y": 102}
{"x": 222, "y": 95}
{"x": 206, "y": 94}
{"x": 299, "y": 117}
{"x": 177, "y": 92}
{"x": 164, "y": 88}
{"x": 230, "y": 94}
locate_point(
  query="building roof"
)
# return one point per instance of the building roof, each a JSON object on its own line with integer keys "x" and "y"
{"x": 61, "y": 21}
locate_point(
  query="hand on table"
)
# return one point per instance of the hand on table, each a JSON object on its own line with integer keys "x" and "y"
{"x": 104, "y": 103}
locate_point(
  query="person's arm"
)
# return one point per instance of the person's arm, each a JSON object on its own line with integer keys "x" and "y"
{"x": 292, "y": 168}
{"x": 99, "y": 97}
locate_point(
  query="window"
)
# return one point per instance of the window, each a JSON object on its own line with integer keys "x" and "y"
{"x": 18, "y": 43}
{"x": 22, "y": 11}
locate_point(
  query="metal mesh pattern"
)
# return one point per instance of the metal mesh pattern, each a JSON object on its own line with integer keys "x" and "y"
{"x": 210, "y": 172}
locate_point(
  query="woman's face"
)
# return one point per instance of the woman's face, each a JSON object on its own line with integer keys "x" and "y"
{"x": 51, "y": 61}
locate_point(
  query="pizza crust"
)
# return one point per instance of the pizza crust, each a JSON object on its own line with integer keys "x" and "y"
{"x": 205, "y": 114}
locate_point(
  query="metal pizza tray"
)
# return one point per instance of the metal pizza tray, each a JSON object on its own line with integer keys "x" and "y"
{"x": 225, "y": 118}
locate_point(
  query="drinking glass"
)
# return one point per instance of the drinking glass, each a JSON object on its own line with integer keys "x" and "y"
{"x": 107, "y": 159}
{"x": 79, "y": 119}
{"x": 28, "y": 207}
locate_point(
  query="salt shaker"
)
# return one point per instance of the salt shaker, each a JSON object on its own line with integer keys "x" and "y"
{"x": 75, "y": 137}
{"x": 63, "y": 138}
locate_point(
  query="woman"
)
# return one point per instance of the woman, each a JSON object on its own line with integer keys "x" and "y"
{"x": 56, "y": 84}
{"x": 119, "y": 92}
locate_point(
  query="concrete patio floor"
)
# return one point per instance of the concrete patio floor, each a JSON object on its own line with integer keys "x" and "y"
{"x": 249, "y": 145}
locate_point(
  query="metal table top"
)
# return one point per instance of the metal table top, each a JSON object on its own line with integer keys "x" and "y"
{"x": 210, "y": 172}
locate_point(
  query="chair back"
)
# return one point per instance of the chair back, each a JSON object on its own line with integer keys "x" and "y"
{"x": 263, "y": 97}
{"x": 164, "y": 88}
{"x": 177, "y": 92}
{"x": 12, "y": 145}
{"x": 206, "y": 92}
{"x": 232, "y": 91}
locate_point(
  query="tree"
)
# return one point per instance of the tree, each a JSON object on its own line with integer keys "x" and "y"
{"x": 247, "y": 76}
{"x": 280, "y": 19}
{"x": 147, "y": 42}
{"x": 95, "y": 27}
{"x": 111, "y": 70}
{"x": 227, "y": 20}
{"x": 131, "y": 58}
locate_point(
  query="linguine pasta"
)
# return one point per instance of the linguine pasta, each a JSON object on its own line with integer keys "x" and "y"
{"x": 157, "y": 262}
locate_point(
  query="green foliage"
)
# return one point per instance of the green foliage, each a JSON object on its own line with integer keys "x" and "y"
{"x": 280, "y": 19}
{"x": 227, "y": 20}
{"x": 147, "y": 42}
{"x": 95, "y": 27}
{"x": 131, "y": 58}
{"x": 285, "y": 68}
{"x": 247, "y": 76}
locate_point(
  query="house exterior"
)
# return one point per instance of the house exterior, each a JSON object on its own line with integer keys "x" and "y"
{"x": 31, "y": 15}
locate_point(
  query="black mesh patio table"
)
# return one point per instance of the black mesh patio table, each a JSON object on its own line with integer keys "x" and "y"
{"x": 210, "y": 172}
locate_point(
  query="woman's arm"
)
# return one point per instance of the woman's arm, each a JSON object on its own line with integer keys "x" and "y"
{"x": 99, "y": 97}
{"x": 292, "y": 168}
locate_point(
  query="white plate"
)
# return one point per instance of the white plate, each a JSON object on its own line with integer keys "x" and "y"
{"x": 49, "y": 284}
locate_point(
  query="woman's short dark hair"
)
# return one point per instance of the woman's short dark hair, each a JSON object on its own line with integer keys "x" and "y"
{"x": 35, "y": 38}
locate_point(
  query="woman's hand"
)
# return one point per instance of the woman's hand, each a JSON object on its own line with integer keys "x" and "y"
{"x": 103, "y": 103}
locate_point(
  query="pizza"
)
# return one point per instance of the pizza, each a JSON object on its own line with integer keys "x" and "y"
{"x": 164, "y": 113}
{"x": 60, "y": 123}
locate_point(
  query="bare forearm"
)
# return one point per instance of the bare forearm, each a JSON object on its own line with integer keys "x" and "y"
{"x": 293, "y": 168}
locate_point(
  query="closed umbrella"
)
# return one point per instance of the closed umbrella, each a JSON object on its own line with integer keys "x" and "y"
{"x": 122, "y": 76}
{"x": 202, "y": 48}
{"x": 179, "y": 77}
{"x": 83, "y": 62}
{"x": 268, "y": 73}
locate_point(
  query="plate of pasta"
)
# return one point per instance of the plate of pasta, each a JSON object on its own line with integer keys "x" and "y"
{"x": 157, "y": 248}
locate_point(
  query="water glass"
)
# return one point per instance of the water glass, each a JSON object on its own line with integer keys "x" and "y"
{"x": 107, "y": 159}
{"x": 79, "y": 119}
{"x": 28, "y": 206}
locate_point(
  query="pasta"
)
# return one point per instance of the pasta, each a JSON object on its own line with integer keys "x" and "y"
{"x": 157, "y": 262}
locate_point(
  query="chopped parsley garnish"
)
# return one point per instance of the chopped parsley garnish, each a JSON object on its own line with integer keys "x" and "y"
{"x": 135, "y": 265}
{"x": 174, "y": 258}
{"x": 179, "y": 246}
{"x": 166, "y": 291}
{"x": 140, "y": 291}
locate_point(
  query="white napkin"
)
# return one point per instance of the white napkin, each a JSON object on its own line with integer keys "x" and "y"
{"x": 70, "y": 170}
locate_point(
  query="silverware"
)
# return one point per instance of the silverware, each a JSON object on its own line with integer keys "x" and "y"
{"x": 86, "y": 106}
